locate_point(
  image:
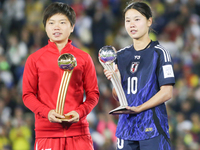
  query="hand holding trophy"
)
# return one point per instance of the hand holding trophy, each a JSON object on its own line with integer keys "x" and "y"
{"x": 107, "y": 56}
{"x": 67, "y": 62}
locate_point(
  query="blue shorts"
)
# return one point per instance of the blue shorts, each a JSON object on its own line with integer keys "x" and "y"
{"x": 156, "y": 143}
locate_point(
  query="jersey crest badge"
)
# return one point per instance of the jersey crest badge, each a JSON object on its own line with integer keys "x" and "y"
{"x": 134, "y": 67}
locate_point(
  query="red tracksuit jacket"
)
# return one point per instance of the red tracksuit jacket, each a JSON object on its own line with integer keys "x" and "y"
{"x": 41, "y": 81}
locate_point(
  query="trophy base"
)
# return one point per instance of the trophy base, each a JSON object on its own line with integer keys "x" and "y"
{"x": 67, "y": 118}
{"x": 120, "y": 110}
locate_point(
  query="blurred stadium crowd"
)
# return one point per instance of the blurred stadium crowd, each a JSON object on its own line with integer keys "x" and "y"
{"x": 98, "y": 23}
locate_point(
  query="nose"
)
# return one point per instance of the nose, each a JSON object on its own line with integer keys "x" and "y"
{"x": 57, "y": 26}
{"x": 132, "y": 24}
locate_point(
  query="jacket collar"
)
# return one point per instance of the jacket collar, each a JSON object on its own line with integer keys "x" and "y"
{"x": 52, "y": 46}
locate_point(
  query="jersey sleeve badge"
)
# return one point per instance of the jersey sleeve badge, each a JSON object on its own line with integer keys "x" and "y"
{"x": 168, "y": 71}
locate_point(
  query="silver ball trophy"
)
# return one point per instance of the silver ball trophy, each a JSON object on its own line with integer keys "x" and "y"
{"x": 107, "y": 56}
{"x": 66, "y": 62}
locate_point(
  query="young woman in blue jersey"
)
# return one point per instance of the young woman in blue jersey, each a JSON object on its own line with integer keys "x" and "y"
{"x": 146, "y": 73}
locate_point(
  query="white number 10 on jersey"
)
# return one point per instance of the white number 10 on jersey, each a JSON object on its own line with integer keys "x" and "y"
{"x": 132, "y": 85}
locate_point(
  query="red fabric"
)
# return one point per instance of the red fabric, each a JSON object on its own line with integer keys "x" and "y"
{"x": 41, "y": 82}
{"x": 70, "y": 143}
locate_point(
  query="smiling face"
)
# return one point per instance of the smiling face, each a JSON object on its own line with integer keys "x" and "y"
{"x": 136, "y": 24}
{"x": 58, "y": 28}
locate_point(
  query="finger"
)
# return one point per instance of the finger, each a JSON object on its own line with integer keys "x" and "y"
{"x": 57, "y": 120}
{"x": 107, "y": 72}
{"x": 116, "y": 68}
{"x": 109, "y": 75}
{"x": 73, "y": 120}
{"x": 129, "y": 108}
{"x": 54, "y": 113}
{"x": 59, "y": 116}
{"x": 53, "y": 119}
{"x": 73, "y": 116}
{"x": 69, "y": 115}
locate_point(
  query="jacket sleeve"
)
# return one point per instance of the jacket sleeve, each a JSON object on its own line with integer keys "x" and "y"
{"x": 30, "y": 89}
{"x": 91, "y": 89}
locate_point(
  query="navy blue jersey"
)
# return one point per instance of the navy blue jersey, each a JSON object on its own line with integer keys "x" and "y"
{"x": 142, "y": 74}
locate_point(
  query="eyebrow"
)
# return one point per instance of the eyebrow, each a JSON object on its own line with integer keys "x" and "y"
{"x": 133, "y": 17}
{"x": 58, "y": 20}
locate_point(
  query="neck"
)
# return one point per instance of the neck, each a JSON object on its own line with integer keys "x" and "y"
{"x": 141, "y": 44}
{"x": 61, "y": 45}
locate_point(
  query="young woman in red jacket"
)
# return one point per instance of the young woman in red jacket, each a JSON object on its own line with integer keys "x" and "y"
{"x": 41, "y": 83}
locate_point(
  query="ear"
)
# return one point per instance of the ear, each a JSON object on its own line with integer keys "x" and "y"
{"x": 72, "y": 28}
{"x": 150, "y": 20}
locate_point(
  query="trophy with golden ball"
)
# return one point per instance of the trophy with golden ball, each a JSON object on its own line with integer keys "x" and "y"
{"x": 66, "y": 62}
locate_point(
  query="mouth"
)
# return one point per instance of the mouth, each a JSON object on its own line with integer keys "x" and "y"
{"x": 57, "y": 34}
{"x": 133, "y": 31}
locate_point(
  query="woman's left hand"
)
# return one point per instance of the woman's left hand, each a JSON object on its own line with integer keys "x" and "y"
{"x": 133, "y": 109}
{"x": 72, "y": 117}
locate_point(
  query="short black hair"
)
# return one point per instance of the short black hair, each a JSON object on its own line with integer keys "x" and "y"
{"x": 140, "y": 6}
{"x": 59, "y": 8}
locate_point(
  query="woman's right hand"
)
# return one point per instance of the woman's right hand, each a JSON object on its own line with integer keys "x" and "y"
{"x": 109, "y": 73}
{"x": 53, "y": 116}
